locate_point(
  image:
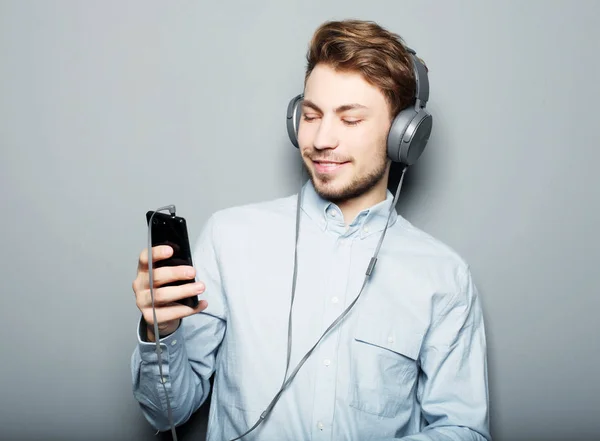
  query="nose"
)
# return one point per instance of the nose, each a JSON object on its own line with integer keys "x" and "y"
{"x": 325, "y": 136}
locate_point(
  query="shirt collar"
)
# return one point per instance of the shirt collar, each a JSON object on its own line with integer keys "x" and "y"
{"x": 328, "y": 215}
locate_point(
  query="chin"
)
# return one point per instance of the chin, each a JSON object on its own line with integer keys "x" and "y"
{"x": 332, "y": 189}
{"x": 341, "y": 188}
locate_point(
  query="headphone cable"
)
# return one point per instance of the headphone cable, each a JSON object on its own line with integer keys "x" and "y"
{"x": 163, "y": 380}
{"x": 368, "y": 272}
{"x": 286, "y": 382}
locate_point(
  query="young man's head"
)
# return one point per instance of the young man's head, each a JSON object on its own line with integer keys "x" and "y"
{"x": 359, "y": 76}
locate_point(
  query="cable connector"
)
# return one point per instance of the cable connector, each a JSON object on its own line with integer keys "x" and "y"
{"x": 371, "y": 266}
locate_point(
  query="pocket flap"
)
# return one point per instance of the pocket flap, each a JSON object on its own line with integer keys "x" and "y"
{"x": 395, "y": 338}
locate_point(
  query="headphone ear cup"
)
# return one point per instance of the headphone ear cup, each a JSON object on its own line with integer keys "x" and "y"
{"x": 293, "y": 118}
{"x": 396, "y": 133}
{"x": 408, "y": 136}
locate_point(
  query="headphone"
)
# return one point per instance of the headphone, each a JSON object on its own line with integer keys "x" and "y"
{"x": 410, "y": 129}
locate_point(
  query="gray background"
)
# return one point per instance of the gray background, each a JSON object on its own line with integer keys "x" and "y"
{"x": 108, "y": 109}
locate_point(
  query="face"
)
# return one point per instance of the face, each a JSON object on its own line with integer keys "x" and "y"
{"x": 343, "y": 135}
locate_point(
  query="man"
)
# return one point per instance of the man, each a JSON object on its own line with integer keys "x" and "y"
{"x": 408, "y": 361}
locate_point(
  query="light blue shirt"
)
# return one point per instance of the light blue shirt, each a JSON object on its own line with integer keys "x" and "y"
{"x": 408, "y": 362}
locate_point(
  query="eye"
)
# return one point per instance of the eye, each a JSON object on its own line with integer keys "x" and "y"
{"x": 309, "y": 118}
{"x": 352, "y": 122}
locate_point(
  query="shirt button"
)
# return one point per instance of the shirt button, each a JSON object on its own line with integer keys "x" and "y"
{"x": 332, "y": 213}
{"x": 334, "y": 300}
{"x": 174, "y": 342}
{"x": 366, "y": 229}
{"x": 390, "y": 339}
{"x": 320, "y": 425}
{"x": 326, "y": 362}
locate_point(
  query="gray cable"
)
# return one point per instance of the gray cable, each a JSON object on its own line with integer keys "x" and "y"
{"x": 163, "y": 380}
{"x": 286, "y": 382}
{"x": 289, "y": 346}
{"x": 289, "y": 340}
{"x": 368, "y": 272}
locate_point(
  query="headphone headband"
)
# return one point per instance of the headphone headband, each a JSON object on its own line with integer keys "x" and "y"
{"x": 421, "y": 77}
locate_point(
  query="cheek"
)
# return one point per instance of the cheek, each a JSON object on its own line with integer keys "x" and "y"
{"x": 305, "y": 133}
{"x": 366, "y": 146}
{"x": 359, "y": 141}
{"x": 306, "y": 138}
{"x": 301, "y": 135}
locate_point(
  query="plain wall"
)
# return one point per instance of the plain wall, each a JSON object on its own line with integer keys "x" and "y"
{"x": 109, "y": 109}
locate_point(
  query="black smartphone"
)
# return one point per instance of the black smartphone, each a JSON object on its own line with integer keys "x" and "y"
{"x": 167, "y": 229}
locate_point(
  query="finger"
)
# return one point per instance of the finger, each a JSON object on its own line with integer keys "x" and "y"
{"x": 162, "y": 276}
{"x": 159, "y": 252}
{"x": 168, "y": 274}
{"x": 172, "y": 312}
{"x": 168, "y": 294}
{"x": 202, "y": 304}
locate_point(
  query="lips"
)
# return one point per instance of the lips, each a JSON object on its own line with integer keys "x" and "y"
{"x": 328, "y": 166}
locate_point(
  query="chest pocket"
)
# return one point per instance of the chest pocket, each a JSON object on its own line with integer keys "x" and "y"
{"x": 384, "y": 363}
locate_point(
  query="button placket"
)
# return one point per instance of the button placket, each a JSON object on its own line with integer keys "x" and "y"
{"x": 326, "y": 369}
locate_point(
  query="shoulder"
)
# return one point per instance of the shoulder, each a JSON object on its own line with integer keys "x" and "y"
{"x": 436, "y": 274}
{"x": 256, "y": 217}
{"x": 272, "y": 209}
{"x": 422, "y": 243}
{"x": 430, "y": 259}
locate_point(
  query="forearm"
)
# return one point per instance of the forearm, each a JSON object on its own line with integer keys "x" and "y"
{"x": 446, "y": 433}
{"x": 164, "y": 330}
{"x": 442, "y": 433}
{"x": 189, "y": 354}
{"x": 186, "y": 388}
{"x": 453, "y": 386}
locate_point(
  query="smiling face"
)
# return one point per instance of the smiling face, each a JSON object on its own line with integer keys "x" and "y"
{"x": 343, "y": 137}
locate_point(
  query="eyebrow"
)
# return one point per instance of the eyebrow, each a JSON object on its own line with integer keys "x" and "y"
{"x": 340, "y": 109}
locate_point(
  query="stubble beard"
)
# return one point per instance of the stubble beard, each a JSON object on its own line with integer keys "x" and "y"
{"x": 357, "y": 186}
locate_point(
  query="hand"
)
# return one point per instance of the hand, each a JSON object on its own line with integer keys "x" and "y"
{"x": 168, "y": 312}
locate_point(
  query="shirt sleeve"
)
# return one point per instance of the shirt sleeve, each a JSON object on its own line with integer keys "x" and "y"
{"x": 453, "y": 384}
{"x": 188, "y": 354}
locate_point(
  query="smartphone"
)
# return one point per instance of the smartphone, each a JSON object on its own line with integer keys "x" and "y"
{"x": 167, "y": 229}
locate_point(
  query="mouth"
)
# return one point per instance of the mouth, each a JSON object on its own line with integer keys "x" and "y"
{"x": 327, "y": 167}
